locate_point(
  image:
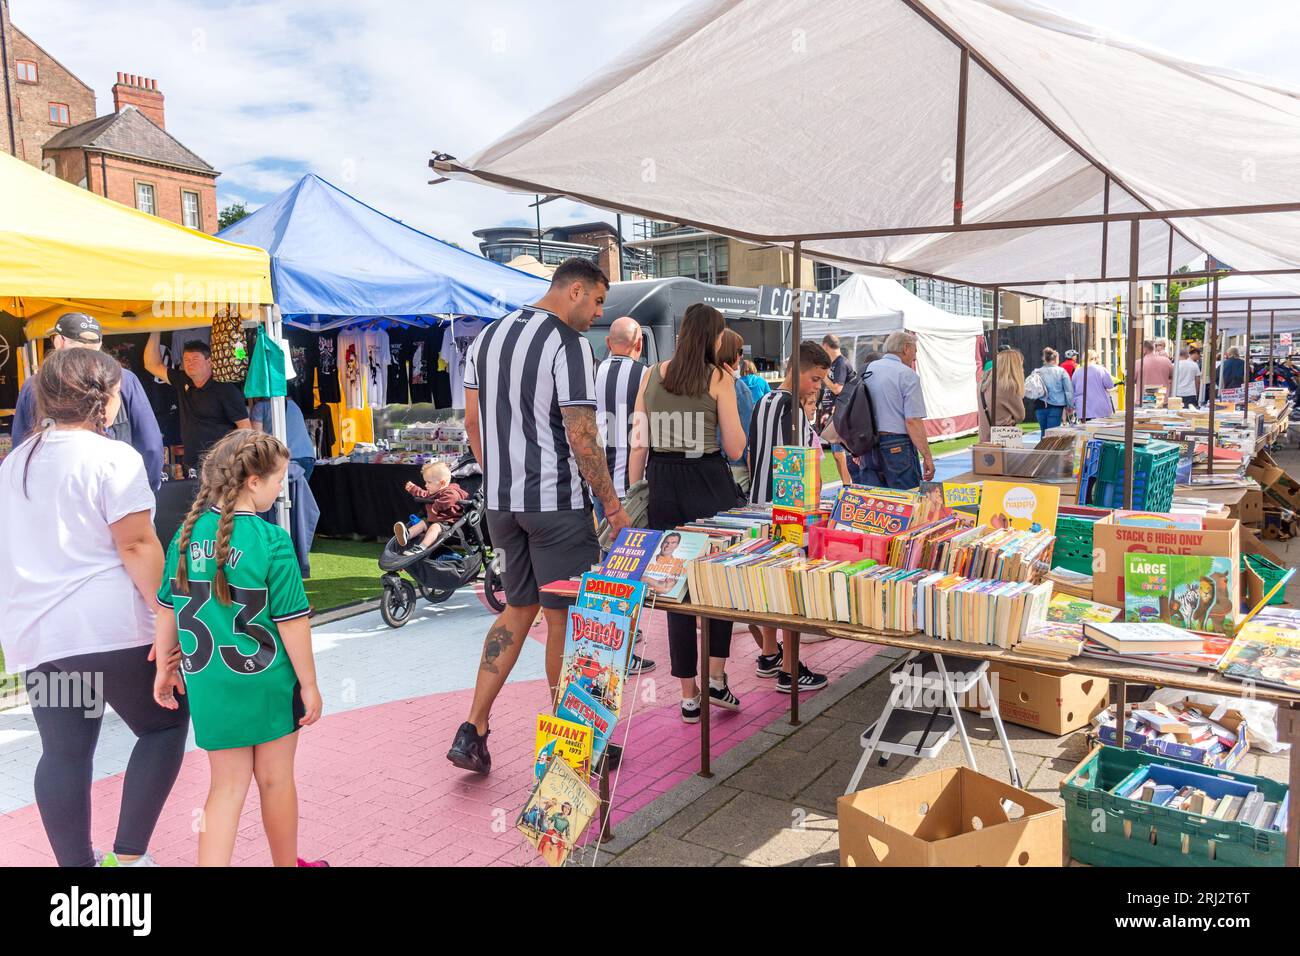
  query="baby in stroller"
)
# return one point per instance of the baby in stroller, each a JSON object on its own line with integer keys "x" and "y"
{"x": 444, "y": 504}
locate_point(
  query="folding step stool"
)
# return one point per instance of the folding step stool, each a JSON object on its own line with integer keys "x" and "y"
{"x": 905, "y": 730}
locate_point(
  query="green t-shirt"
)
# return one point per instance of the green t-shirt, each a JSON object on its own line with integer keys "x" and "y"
{"x": 240, "y": 682}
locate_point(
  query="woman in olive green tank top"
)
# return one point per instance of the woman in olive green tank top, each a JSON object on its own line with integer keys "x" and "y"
{"x": 682, "y": 407}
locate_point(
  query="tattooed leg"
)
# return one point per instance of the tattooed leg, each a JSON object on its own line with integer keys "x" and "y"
{"x": 501, "y": 647}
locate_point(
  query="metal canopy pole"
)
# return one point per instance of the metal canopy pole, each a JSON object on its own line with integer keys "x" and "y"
{"x": 1271, "y": 346}
{"x": 1245, "y": 380}
{"x": 279, "y": 416}
{"x": 960, "y": 171}
{"x": 1213, "y": 343}
{"x": 991, "y": 407}
{"x": 1130, "y": 362}
{"x": 1087, "y": 347}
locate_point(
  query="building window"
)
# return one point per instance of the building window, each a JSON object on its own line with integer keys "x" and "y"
{"x": 59, "y": 114}
{"x": 27, "y": 71}
{"x": 190, "y": 209}
{"x": 144, "y": 198}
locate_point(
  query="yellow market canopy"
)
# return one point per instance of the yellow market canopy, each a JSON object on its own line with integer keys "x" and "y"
{"x": 64, "y": 249}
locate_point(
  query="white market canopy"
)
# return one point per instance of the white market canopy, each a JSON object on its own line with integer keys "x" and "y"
{"x": 777, "y": 120}
{"x": 1258, "y": 295}
{"x": 947, "y": 359}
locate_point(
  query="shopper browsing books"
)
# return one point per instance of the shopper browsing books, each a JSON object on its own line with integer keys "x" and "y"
{"x": 770, "y": 429}
{"x": 686, "y": 419}
{"x": 896, "y": 397}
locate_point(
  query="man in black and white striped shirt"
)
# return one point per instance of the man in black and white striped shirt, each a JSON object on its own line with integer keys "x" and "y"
{"x": 768, "y": 429}
{"x": 530, "y": 416}
{"x": 617, "y": 380}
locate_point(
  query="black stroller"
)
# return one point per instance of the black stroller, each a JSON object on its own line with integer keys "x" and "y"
{"x": 454, "y": 561}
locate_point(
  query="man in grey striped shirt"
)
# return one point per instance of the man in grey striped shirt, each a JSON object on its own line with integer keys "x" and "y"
{"x": 530, "y": 416}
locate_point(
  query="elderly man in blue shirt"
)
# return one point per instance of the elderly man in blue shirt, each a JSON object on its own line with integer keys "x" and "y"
{"x": 895, "y": 391}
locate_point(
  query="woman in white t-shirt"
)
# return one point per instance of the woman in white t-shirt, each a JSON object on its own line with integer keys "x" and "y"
{"x": 79, "y": 566}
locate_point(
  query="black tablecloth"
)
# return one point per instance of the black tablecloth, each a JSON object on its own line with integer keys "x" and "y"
{"x": 173, "y": 502}
{"x": 363, "y": 499}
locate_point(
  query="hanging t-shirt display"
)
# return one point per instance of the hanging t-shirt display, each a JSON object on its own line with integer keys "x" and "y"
{"x": 352, "y": 363}
{"x": 201, "y": 334}
{"x": 401, "y": 343}
{"x": 327, "y": 367}
{"x": 378, "y": 357}
{"x": 11, "y": 343}
{"x": 455, "y": 347}
{"x": 424, "y": 363}
{"x": 303, "y": 353}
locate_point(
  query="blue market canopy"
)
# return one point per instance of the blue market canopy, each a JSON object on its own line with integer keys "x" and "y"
{"x": 333, "y": 256}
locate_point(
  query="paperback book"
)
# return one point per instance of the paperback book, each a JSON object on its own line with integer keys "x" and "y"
{"x": 1266, "y": 655}
{"x": 1024, "y": 506}
{"x": 665, "y": 575}
{"x": 630, "y": 554}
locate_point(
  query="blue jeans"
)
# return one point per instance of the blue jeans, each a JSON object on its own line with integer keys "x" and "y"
{"x": 899, "y": 465}
{"x": 1049, "y": 416}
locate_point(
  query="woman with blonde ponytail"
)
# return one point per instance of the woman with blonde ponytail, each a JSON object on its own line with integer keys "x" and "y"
{"x": 79, "y": 566}
{"x": 238, "y": 612}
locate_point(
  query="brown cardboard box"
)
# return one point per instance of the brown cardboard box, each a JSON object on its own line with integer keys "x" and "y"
{"x": 951, "y": 817}
{"x": 1277, "y": 485}
{"x": 1053, "y": 703}
{"x": 1220, "y": 538}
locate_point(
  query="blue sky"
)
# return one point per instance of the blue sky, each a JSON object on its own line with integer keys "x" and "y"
{"x": 360, "y": 92}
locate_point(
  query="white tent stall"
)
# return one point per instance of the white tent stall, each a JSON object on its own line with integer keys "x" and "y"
{"x": 947, "y": 357}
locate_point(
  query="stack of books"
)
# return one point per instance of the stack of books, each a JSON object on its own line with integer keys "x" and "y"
{"x": 951, "y": 545}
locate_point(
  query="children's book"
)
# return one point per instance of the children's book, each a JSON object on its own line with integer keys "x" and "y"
{"x": 1186, "y": 590}
{"x": 873, "y": 510}
{"x": 557, "y": 812}
{"x": 1151, "y": 519}
{"x": 596, "y": 647}
{"x": 796, "y": 481}
{"x": 962, "y": 497}
{"x": 665, "y": 575}
{"x": 566, "y": 739}
{"x": 1067, "y": 609}
{"x": 581, "y": 707}
{"x": 1264, "y": 654}
{"x": 630, "y": 553}
{"x": 1024, "y": 506}
{"x": 603, "y": 593}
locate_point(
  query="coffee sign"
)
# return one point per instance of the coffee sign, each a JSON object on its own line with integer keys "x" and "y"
{"x": 775, "y": 301}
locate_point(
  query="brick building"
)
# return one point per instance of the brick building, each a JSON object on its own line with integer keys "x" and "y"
{"x": 39, "y": 97}
{"x": 129, "y": 156}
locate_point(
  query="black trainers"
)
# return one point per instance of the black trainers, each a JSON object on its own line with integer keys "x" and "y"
{"x": 469, "y": 750}
{"x": 769, "y": 665}
{"x": 691, "y": 710}
{"x": 639, "y": 665}
{"x": 807, "y": 680}
{"x": 723, "y": 697}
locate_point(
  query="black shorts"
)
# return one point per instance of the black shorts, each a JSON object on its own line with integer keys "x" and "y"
{"x": 540, "y": 547}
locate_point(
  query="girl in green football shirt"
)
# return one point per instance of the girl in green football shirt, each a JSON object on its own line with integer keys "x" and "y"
{"x": 240, "y": 617}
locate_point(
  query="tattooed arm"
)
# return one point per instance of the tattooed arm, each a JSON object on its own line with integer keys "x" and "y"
{"x": 584, "y": 439}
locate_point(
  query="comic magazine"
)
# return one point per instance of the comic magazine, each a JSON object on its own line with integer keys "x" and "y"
{"x": 630, "y": 553}
{"x": 596, "y": 646}
{"x": 666, "y": 573}
{"x": 572, "y": 741}
{"x": 1264, "y": 654}
{"x": 579, "y": 706}
{"x": 603, "y": 593}
{"x": 557, "y": 812}
{"x": 873, "y": 511}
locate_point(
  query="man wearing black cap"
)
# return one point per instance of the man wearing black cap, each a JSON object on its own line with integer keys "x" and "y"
{"x": 209, "y": 409}
{"x": 135, "y": 423}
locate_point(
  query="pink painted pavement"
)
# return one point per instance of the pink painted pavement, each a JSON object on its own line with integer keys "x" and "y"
{"x": 375, "y": 788}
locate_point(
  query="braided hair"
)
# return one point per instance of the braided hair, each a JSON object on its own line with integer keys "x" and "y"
{"x": 226, "y": 468}
{"x": 74, "y": 387}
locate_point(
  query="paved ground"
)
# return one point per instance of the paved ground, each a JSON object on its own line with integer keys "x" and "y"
{"x": 374, "y": 785}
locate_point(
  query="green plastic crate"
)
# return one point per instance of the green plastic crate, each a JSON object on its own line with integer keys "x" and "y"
{"x": 1106, "y": 830}
{"x": 1269, "y": 572}
{"x": 1155, "y": 469}
{"x": 1073, "y": 548}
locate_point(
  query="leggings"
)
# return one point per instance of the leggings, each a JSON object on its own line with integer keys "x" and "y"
{"x": 682, "y": 490}
{"x": 68, "y": 698}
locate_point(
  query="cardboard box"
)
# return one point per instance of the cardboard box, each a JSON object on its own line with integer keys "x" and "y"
{"x": 1278, "y": 487}
{"x": 987, "y": 459}
{"x": 1220, "y": 538}
{"x": 1042, "y": 700}
{"x": 951, "y": 817}
{"x": 1191, "y": 753}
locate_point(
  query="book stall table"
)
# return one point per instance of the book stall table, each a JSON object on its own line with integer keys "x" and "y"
{"x": 1119, "y": 674}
